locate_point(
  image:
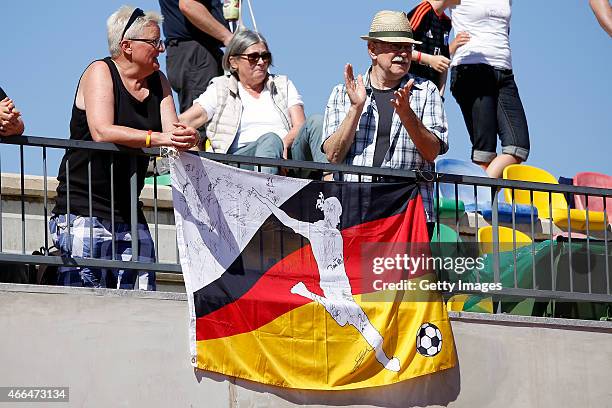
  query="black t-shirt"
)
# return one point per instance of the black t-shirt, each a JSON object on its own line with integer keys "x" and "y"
{"x": 385, "y": 119}
{"x": 128, "y": 112}
{"x": 433, "y": 31}
{"x": 177, "y": 27}
{"x": 2, "y": 94}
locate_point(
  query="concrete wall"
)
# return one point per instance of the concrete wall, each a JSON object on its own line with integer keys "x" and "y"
{"x": 129, "y": 349}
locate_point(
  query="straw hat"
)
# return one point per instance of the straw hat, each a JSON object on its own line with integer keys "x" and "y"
{"x": 391, "y": 26}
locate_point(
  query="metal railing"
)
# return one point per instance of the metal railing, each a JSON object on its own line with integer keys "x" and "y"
{"x": 469, "y": 232}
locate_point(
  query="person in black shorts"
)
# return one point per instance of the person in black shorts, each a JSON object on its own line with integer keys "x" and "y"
{"x": 482, "y": 82}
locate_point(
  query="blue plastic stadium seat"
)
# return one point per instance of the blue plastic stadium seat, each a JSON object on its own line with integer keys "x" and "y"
{"x": 522, "y": 213}
{"x": 465, "y": 192}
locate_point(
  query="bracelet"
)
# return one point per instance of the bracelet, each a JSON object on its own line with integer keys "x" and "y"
{"x": 419, "y": 57}
{"x": 148, "y": 139}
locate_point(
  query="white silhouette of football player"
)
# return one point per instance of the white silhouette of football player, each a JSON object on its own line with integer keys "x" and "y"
{"x": 327, "y": 247}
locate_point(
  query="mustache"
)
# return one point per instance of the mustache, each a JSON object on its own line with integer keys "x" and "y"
{"x": 398, "y": 58}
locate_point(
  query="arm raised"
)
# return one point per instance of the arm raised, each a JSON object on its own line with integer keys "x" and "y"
{"x": 299, "y": 227}
{"x": 338, "y": 143}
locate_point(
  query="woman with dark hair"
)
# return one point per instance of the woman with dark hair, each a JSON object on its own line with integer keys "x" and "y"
{"x": 251, "y": 112}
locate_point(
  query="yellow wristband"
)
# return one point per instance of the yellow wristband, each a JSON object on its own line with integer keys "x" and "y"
{"x": 148, "y": 139}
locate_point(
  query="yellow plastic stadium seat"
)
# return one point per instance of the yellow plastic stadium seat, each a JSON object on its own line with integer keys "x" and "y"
{"x": 559, "y": 214}
{"x": 456, "y": 302}
{"x": 470, "y": 303}
{"x": 506, "y": 239}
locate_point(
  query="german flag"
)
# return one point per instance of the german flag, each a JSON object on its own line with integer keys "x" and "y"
{"x": 274, "y": 272}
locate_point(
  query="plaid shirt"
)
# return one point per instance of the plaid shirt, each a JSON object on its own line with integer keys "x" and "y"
{"x": 426, "y": 103}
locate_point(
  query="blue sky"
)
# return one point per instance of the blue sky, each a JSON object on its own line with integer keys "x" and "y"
{"x": 561, "y": 59}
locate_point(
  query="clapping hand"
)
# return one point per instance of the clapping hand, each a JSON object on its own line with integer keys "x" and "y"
{"x": 401, "y": 102}
{"x": 355, "y": 88}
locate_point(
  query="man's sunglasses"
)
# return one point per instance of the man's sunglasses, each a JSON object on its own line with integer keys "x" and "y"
{"x": 255, "y": 56}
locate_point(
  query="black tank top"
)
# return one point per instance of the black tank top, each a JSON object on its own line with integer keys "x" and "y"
{"x": 129, "y": 112}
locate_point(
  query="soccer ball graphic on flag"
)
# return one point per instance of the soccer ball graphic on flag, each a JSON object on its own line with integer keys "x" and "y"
{"x": 429, "y": 340}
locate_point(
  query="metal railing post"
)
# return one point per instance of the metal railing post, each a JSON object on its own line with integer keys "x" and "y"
{"x": 1, "y": 213}
{"x": 606, "y": 224}
{"x": 588, "y": 245}
{"x": 134, "y": 206}
{"x": 90, "y": 202}
{"x": 22, "y": 185}
{"x": 45, "y": 202}
{"x": 68, "y": 204}
{"x": 112, "y": 181}
{"x": 155, "y": 215}
{"x": 495, "y": 225}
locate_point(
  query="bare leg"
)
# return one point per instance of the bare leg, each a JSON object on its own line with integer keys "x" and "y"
{"x": 495, "y": 169}
{"x": 301, "y": 290}
{"x": 375, "y": 340}
{"x": 482, "y": 165}
{"x": 359, "y": 320}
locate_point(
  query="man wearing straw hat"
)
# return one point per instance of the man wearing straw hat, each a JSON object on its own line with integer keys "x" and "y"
{"x": 387, "y": 117}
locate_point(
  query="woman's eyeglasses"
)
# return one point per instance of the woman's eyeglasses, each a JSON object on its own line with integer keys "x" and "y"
{"x": 254, "y": 57}
{"x": 154, "y": 43}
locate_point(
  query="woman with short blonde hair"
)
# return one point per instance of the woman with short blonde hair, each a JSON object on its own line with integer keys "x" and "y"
{"x": 117, "y": 22}
{"x": 122, "y": 99}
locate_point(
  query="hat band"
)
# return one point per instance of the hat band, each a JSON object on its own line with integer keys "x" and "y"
{"x": 382, "y": 34}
